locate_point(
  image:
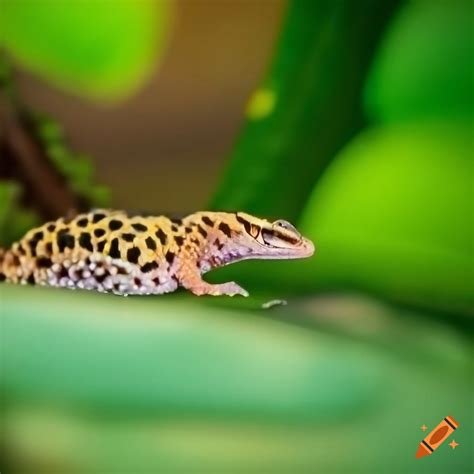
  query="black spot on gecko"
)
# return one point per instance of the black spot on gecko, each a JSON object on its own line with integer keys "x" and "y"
{"x": 150, "y": 243}
{"x": 162, "y": 236}
{"x": 202, "y": 231}
{"x": 176, "y": 220}
{"x": 122, "y": 271}
{"x": 21, "y": 250}
{"x": 208, "y": 221}
{"x": 133, "y": 254}
{"x": 225, "y": 228}
{"x": 179, "y": 240}
{"x": 85, "y": 241}
{"x": 170, "y": 257}
{"x": 97, "y": 217}
{"x": 174, "y": 228}
{"x": 114, "y": 250}
{"x": 83, "y": 222}
{"x": 245, "y": 223}
{"x": 31, "y": 279}
{"x": 218, "y": 244}
{"x": 38, "y": 235}
{"x": 148, "y": 267}
{"x": 128, "y": 237}
{"x": 156, "y": 281}
{"x": 32, "y": 244}
{"x": 140, "y": 227}
{"x": 188, "y": 230}
{"x": 49, "y": 248}
{"x": 51, "y": 227}
{"x": 44, "y": 262}
{"x": 99, "y": 232}
{"x": 101, "y": 245}
{"x": 63, "y": 272}
{"x": 101, "y": 278}
{"x": 64, "y": 240}
{"x": 114, "y": 224}
{"x": 137, "y": 281}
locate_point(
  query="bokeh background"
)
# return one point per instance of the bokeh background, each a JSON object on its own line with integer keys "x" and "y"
{"x": 353, "y": 120}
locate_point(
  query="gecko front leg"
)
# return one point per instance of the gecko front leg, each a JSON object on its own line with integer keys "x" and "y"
{"x": 190, "y": 278}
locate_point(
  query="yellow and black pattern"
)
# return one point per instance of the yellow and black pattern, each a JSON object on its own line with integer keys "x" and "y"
{"x": 111, "y": 251}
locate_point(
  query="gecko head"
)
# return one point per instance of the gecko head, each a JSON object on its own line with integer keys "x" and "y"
{"x": 272, "y": 240}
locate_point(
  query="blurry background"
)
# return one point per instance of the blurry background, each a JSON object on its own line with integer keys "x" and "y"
{"x": 354, "y": 120}
{"x": 163, "y": 147}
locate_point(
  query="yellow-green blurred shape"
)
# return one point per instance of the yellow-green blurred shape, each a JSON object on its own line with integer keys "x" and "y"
{"x": 425, "y": 65}
{"x": 99, "y": 49}
{"x": 261, "y": 104}
{"x": 394, "y": 213}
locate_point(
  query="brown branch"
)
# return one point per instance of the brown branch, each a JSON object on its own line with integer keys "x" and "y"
{"x": 23, "y": 159}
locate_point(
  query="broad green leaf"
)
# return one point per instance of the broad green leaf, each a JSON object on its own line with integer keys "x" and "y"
{"x": 138, "y": 354}
{"x": 307, "y": 107}
{"x": 98, "y": 383}
{"x": 425, "y": 65}
{"x": 96, "y": 48}
{"x": 394, "y": 213}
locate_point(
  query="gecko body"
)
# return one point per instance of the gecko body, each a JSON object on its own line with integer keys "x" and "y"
{"x": 110, "y": 251}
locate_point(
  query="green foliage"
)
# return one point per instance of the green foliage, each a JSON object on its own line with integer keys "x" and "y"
{"x": 307, "y": 107}
{"x": 393, "y": 214}
{"x": 424, "y": 67}
{"x": 98, "y": 49}
{"x": 15, "y": 220}
{"x": 75, "y": 168}
{"x": 162, "y": 384}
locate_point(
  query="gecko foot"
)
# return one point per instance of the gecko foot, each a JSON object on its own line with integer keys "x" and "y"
{"x": 230, "y": 289}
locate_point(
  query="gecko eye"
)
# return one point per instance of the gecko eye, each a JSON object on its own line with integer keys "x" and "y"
{"x": 282, "y": 235}
{"x": 285, "y": 225}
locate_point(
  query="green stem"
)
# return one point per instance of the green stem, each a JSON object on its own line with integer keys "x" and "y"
{"x": 307, "y": 108}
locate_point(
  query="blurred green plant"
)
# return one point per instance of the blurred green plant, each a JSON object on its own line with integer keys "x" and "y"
{"x": 307, "y": 107}
{"x": 97, "y": 383}
{"x": 424, "y": 67}
{"x": 15, "y": 219}
{"x": 96, "y": 48}
{"x": 398, "y": 226}
{"x": 35, "y": 158}
{"x": 392, "y": 213}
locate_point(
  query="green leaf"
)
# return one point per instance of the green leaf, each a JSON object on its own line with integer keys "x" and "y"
{"x": 307, "y": 107}
{"x": 98, "y": 49}
{"x": 425, "y": 66}
{"x": 15, "y": 220}
{"x": 98, "y": 383}
{"x": 393, "y": 215}
{"x": 113, "y": 354}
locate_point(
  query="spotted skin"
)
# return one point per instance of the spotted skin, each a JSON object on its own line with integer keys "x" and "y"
{"x": 110, "y": 251}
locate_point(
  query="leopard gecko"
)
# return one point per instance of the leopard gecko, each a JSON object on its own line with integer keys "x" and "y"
{"x": 111, "y": 251}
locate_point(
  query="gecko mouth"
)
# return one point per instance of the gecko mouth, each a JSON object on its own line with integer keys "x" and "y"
{"x": 303, "y": 248}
